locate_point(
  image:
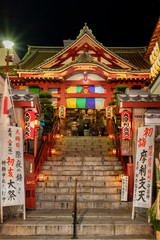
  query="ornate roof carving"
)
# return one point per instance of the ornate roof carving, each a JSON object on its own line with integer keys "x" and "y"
{"x": 86, "y": 30}
{"x": 85, "y": 58}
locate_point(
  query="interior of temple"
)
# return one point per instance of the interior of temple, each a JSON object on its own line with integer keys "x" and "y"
{"x": 86, "y": 122}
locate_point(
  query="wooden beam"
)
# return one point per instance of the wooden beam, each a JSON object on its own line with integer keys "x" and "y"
{"x": 85, "y": 95}
{"x": 140, "y": 104}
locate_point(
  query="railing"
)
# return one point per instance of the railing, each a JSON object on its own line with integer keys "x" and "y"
{"x": 42, "y": 156}
{"x": 74, "y": 213}
{"x": 118, "y": 147}
{"x": 45, "y": 150}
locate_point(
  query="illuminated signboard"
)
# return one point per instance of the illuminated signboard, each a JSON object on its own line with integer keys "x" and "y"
{"x": 126, "y": 124}
{"x": 29, "y": 124}
{"x": 109, "y": 113}
{"x": 62, "y": 111}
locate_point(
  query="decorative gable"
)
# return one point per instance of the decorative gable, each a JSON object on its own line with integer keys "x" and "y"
{"x": 86, "y": 41}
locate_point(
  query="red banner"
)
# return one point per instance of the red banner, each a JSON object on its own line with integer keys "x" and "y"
{"x": 29, "y": 124}
{"x": 126, "y": 124}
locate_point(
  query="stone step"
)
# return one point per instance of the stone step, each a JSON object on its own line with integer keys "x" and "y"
{"x": 50, "y": 237}
{"x": 71, "y": 185}
{"x": 83, "y": 153}
{"x": 70, "y": 190}
{"x": 81, "y": 163}
{"x": 83, "y": 146}
{"x": 79, "y": 158}
{"x": 83, "y": 178}
{"x": 80, "y": 173}
{"x": 80, "y": 197}
{"x": 82, "y": 168}
{"x": 106, "y": 158}
{"x": 53, "y": 223}
{"x": 82, "y": 205}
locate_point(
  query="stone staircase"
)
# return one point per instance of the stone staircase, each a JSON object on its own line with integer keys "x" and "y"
{"x": 101, "y": 214}
{"x": 90, "y": 161}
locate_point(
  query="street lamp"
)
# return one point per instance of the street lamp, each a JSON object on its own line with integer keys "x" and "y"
{"x": 8, "y": 45}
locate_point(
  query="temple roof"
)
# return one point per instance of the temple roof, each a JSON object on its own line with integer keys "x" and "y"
{"x": 153, "y": 40}
{"x": 37, "y": 56}
{"x": 138, "y": 96}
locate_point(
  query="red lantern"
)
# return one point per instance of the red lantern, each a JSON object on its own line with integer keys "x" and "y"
{"x": 41, "y": 178}
{"x": 126, "y": 124}
{"x": 114, "y": 151}
{"x": 53, "y": 151}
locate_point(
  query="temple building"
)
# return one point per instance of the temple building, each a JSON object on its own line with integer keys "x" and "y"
{"x": 82, "y": 75}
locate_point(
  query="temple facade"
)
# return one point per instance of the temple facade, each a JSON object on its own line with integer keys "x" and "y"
{"x": 82, "y": 75}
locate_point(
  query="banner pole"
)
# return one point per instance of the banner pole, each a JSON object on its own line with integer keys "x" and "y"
{"x": 24, "y": 211}
{"x": 1, "y": 214}
{"x": 133, "y": 213}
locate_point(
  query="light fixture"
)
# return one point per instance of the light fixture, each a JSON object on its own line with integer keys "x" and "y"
{"x": 41, "y": 178}
{"x": 114, "y": 151}
{"x": 111, "y": 136}
{"x": 8, "y": 44}
{"x": 57, "y": 136}
{"x": 53, "y": 151}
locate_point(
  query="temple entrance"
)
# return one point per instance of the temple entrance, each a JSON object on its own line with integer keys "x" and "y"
{"x": 85, "y": 122}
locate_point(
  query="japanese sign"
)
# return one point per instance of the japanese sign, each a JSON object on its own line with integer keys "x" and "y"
{"x": 29, "y": 124}
{"x": 12, "y": 169}
{"x": 124, "y": 192}
{"x": 144, "y": 167}
{"x": 126, "y": 124}
{"x": 109, "y": 112}
{"x": 157, "y": 165}
{"x": 62, "y": 111}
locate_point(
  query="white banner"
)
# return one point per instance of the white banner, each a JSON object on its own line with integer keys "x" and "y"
{"x": 12, "y": 167}
{"x": 124, "y": 191}
{"x": 144, "y": 167}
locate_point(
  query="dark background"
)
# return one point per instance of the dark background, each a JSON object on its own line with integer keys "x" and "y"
{"x": 47, "y": 23}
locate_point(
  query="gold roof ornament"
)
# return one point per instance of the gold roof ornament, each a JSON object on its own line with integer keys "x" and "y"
{"x": 86, "y": 30}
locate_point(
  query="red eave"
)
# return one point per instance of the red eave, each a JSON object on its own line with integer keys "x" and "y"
{"x": 22, "y": 104}
{"x": 153, "y": 40}
{"x": 140, "y": 105}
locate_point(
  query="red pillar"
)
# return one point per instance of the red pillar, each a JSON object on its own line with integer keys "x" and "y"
{"x": 108, "y": 94}
{"x": 62, "y": 102}
{"x": 45, "y": 87}
{"x": 107, "y": 101}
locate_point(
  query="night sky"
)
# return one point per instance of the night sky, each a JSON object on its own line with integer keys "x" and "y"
{"x": 47, "y": 23}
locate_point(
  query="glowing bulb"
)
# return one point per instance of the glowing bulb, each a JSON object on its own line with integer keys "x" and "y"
{"x": 8, "y": 44}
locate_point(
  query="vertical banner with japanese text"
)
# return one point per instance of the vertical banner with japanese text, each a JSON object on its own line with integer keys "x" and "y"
{"x": 62, "y": 111}
{"x": 12, "y": 167}
{"x": 126, "y": 124}
{"x": 29, "y": 124}
{"x": 144, "y": 167}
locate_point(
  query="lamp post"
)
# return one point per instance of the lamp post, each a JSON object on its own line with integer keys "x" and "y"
{"x": 8, "y": 45}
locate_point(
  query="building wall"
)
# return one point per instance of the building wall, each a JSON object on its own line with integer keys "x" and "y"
{"x": 19, "y": 112}
{"x": 3, "y": 53}
{"x": 155, "y": 89}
